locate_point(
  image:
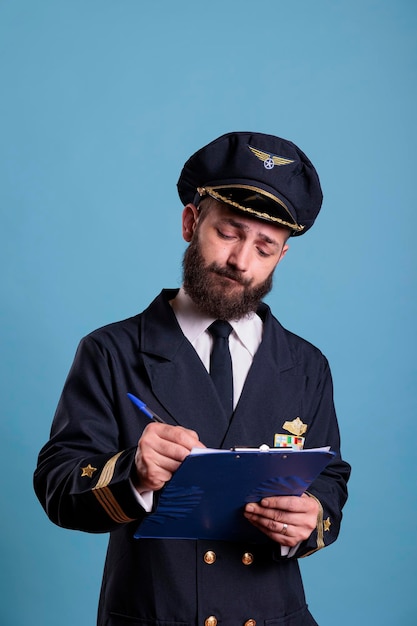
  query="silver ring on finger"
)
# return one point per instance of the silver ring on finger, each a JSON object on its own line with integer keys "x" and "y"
{"x": 284, "y": 529}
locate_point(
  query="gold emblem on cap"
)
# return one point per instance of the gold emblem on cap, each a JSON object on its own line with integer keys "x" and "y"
{"x": 326, "y": 524}
{"x": 88, "y": 471}
{"x": 296, "y": 427}
{"x": 269, "y": 160}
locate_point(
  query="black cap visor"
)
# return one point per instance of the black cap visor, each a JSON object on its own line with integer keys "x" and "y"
{"x": 251, "y": 199}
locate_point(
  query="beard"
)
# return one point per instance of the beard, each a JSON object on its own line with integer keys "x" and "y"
{"x": 211, "y": 291}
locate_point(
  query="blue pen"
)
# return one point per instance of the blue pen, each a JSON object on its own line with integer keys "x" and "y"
{"x": 142, "y": 406}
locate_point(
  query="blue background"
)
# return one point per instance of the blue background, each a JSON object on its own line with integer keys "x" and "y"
{"x": 101, "y": 103}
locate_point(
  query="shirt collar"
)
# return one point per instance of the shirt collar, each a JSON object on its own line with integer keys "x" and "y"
{"x": 193, "y": 322}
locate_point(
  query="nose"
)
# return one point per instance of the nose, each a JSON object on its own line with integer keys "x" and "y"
{"x": 239, "y": 257}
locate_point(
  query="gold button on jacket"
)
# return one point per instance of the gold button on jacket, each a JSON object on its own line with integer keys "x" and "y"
{"x": 209, "y": 557}
{"x": 247, "y": 558}
{"x": 210, "y": 621}
{"x": 250, "y": 622}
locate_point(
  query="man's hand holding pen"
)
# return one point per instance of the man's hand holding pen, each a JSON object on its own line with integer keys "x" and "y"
{"x": 161, "y": 450}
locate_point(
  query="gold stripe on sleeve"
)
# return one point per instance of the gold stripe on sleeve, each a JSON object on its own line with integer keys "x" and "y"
{"x": 104, "y": 494}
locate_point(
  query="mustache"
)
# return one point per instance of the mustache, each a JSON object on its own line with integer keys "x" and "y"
{"x": 229, "y": 273}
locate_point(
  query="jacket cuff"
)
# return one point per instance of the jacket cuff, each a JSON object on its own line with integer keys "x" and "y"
{"x": 320, "y": 527}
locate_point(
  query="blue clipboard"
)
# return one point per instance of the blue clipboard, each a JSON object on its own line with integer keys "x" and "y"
{"x": 205, "y": 497}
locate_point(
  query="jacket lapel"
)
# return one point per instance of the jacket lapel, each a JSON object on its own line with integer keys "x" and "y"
{"x": 176, "y": 374}
{"x": 272, "y": 392}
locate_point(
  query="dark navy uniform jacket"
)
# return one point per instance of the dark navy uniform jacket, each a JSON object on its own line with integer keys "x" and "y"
{"x": 82, "y": 478}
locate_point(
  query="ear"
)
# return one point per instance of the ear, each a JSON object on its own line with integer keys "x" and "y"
{"x": 189, "y": 221}
{"x": 283, "y": 252}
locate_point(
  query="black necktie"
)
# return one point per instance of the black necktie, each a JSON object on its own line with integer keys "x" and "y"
{"x": 221, "y": 363}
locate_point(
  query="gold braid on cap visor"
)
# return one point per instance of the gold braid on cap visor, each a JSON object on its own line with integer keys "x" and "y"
{"x": 217, "y": 196}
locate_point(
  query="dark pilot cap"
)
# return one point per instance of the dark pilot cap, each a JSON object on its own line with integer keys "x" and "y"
{"x": 262, "y": 175}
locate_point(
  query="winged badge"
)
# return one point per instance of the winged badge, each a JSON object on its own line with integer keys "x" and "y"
{"x": 269, "y": 160}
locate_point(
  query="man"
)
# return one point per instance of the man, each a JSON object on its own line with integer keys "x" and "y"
{"x": 102, "y": 470}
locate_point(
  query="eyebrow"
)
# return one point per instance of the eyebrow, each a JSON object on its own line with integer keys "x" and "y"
{"x": 233, "y": 222}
